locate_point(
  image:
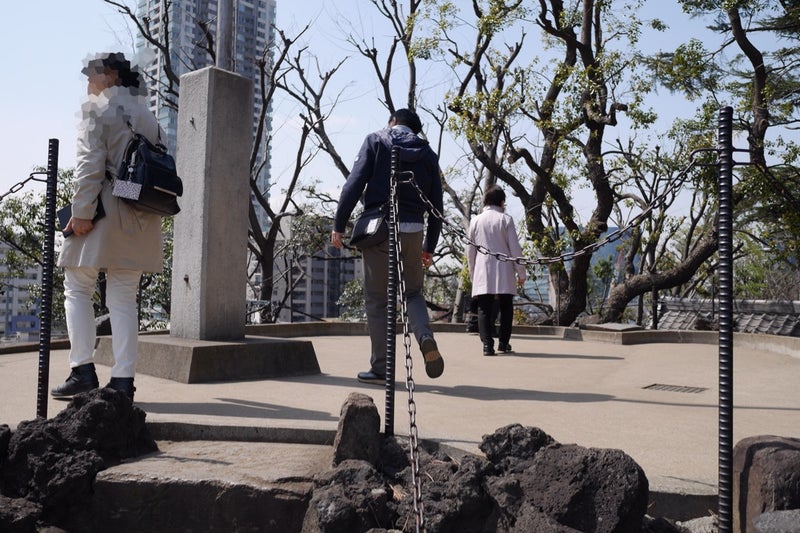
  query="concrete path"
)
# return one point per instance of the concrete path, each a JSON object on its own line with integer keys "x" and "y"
{"x": 590, "y": 393}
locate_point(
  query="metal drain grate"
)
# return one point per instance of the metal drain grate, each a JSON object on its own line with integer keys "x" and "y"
{"x": 675, "y": 388}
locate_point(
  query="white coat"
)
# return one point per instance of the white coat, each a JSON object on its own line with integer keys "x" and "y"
{"x": 125, "y": 238}
{"x": 494, "y": 230}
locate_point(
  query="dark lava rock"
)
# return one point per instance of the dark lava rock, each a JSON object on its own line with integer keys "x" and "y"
{"x": 53, "y": 462}
{"x": 766, "y": 471}
{"x": 586, "y": 489}
{"x": 352, "y": 497}
{"x": 18, "y": 515}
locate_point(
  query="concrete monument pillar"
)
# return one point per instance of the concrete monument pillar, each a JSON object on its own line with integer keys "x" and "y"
{"x": 209, "y": 266}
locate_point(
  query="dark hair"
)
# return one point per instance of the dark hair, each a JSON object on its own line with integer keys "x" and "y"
{"x": 406, "y": 117}
{"x": 128, "y": 77}
{"x": 494, "y": 195}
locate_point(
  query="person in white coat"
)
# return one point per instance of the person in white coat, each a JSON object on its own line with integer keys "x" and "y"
{"x": 124, "y": 243}
{"x": 494, "y": 282}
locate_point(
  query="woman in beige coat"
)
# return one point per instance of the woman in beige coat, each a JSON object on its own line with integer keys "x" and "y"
{"x": 123, "y": 244}
{"x": 494, "y": 282}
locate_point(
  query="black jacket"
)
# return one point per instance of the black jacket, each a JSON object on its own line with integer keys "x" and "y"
{"x": 370, "y": 177}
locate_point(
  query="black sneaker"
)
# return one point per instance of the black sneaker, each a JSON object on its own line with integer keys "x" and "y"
{"x": 434, "y": 364}
{"x": 82, "y": 378}
{"x": 488, "y": 350}
{"x": 504, "y": 347}
{"x": 372, "y": 378}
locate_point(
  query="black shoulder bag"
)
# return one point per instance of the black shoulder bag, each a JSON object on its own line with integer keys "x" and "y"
{"x": 371, "y": 227}
{"x": 147, "y": 178}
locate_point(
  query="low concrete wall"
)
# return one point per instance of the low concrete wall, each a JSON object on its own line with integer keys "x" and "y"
{"x": 770, "y": 343}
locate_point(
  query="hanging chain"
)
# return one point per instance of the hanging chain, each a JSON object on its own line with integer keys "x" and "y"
{"x": 566, "y": 256}
{"x": 19, "y": 186}
{"x": 413, "y": 433}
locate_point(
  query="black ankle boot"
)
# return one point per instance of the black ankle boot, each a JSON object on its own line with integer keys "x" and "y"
{"x": 82, "y": 378}
{"x": 123, "y": 385}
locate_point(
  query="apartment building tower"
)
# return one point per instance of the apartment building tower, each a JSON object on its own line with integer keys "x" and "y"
{"x": 18, "y": 313}
{"x": 186, "y": 22}
{"x": 310, "y": 285}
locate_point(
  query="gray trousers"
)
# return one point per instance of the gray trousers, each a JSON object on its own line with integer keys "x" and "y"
{"x": 376, "y": 277}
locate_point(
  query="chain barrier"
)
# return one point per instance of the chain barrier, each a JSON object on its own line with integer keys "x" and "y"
{"x": 19, "y": 186}
{"x": 413, "y": 432}
{"x": 566, "y": 256}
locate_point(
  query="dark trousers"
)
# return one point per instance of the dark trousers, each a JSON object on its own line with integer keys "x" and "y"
{"x": 490, "y": 307}
{"x": 376, "y": 277}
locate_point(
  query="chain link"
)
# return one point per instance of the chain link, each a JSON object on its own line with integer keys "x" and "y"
{"x": 19, "y": 186}
{"x": 413, "y": 432}
{"x": 566, "y": 256}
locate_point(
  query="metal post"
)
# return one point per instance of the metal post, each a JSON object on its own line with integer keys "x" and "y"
{"x": 48, "y": 261}
{"x": 291, "y": 290}
{"x": 391, "y": 291}
{"x": 654, "y": 303}
{"x": 558, "y": 300}
{"x": 725, "y": 231}
{"x": 7, "y": 326}
{"x": 225, "y": 34}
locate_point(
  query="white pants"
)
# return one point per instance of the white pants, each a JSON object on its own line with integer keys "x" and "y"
{"x": 80, "y": 284}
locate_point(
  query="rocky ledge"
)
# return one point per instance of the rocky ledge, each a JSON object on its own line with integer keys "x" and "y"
{"x": 524, "y": 482}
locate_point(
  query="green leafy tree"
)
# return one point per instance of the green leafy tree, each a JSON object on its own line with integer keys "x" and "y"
{"x": 600, "y": 279}
{"x": 352, "y": 301}
{"x": 757, "y": 75}
{"x": 539, "y": 126}
{"x": 22, "y": 229}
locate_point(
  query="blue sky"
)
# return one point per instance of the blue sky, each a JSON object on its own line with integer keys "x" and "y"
{"x": 44, "y": 42}
{"x": 42, "y": 46}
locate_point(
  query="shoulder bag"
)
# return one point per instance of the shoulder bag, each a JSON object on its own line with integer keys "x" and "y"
{"x": 147, "y": 178}
{"x": 371, "y": 227}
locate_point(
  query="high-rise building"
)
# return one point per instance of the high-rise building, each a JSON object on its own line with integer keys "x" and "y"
{"x": 310, "y": 285}
{"x": 18, "y": 314}
{"x": 185, "y": 22}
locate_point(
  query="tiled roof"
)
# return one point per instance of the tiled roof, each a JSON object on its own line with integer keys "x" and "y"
{"x": 749, "y": 316}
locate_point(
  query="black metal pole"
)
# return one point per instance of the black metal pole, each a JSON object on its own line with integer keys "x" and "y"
{"x": 654, "y": 303}
{"x": 391, "y": 291}
{"x": 48, "y": 261}
{"x": 725, "y": 231}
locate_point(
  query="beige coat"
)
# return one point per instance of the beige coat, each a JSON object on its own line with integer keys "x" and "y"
{"x": 494, "y": 230}
{"x": 124, "y": 238}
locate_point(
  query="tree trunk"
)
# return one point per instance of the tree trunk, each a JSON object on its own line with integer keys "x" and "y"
{"x": 640, "y": 284}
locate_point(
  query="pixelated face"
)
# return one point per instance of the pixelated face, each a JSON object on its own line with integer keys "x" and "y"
{"x": 102, "y": 78}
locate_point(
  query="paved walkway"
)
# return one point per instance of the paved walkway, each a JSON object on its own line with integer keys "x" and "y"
{"x": 590, "y": 393}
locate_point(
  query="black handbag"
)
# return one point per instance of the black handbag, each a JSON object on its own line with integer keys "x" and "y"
{"x": 371, "y": 227}
{"x": 147, "y": 178}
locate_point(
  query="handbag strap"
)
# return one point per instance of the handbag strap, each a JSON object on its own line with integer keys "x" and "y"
{"x": 128, "y": 122}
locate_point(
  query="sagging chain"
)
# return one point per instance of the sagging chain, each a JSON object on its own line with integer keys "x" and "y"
{"x": 19, "y": 186}
{"x": 413, "y": 432}
{"x": 566, "y": 256}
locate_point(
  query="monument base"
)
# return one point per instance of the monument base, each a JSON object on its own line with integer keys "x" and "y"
{"x": 197, "y": 361}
